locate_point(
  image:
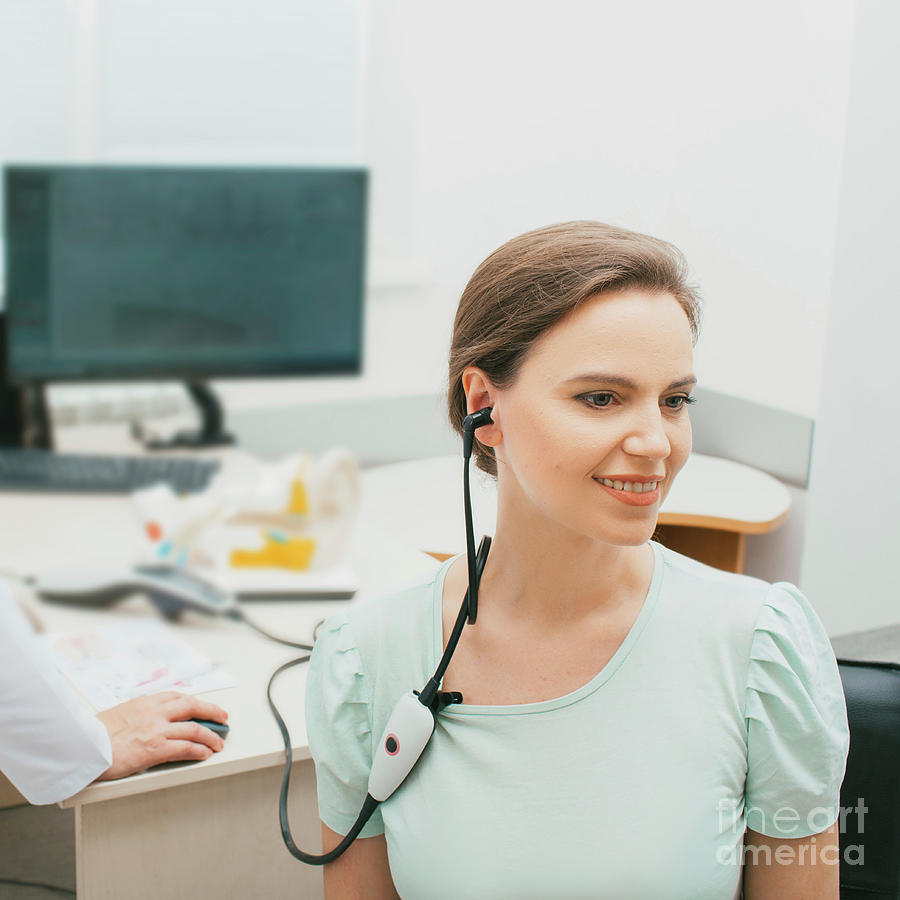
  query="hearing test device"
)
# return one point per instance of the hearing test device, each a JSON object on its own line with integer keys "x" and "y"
{"x": 411, "y": 724}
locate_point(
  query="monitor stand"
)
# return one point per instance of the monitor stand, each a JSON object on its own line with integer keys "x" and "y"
{"x": 24, "y": 414}
{"x": 37, "y": 428}
{"x": 212, "y": 418}
{"x": 25, "y": 417}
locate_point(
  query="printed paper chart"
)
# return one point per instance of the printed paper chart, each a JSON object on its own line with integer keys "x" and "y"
{"x": 113, "y": 663}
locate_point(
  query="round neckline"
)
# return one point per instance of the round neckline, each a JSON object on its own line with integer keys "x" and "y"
{"x": 539, "y": 706}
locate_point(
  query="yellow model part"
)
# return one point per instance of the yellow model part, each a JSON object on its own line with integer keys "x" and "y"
{"x": 278, "y": 553}
{"x": 299, "y": 504}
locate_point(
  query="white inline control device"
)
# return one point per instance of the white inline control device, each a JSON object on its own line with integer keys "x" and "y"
{"x": 405, "y": 736}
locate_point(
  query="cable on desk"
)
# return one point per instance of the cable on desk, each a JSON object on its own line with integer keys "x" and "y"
{"x": 368, "y": 807}
{"x": 240, "y": 616}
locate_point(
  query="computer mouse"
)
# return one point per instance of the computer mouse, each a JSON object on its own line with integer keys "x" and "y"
{"x": 220, "y": 729}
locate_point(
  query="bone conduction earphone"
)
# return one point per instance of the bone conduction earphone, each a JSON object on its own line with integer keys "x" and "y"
{"x": 411, "y": 724}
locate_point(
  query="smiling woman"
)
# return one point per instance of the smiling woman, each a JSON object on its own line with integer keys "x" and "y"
{"x": 632, "y": 722}
{"x": 557, "y": 431}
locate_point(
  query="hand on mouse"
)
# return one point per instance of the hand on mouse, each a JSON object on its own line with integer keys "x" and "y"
{"x": 147, "y": 731}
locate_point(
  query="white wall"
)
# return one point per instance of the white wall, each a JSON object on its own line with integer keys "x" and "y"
{"x": 721, "y": 131}
{"x": 849, "y": 562}
{"x": 214, "y": 80}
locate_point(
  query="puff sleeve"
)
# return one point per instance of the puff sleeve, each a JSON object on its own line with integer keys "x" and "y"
{"x": 796, "y": 718}
{"x": 339, "y": 727}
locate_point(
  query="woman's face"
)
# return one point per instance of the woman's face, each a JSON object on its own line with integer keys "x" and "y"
{"x": 595, "y": 427}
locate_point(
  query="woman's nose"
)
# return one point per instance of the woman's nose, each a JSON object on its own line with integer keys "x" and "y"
{"x": 647, "y": 436}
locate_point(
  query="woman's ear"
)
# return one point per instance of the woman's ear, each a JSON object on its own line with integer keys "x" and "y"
{"x": 479, "y": 394}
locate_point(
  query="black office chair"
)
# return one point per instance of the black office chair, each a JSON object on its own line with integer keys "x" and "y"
{"x": 872, "y": 691}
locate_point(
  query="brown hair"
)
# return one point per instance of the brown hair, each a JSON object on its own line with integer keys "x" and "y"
{"x": 533, "y": 281}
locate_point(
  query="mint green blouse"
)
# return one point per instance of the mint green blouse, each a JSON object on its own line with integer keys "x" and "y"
{"x": 722, "y": 709}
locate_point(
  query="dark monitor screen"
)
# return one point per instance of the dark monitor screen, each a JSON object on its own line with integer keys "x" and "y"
{"x": 132, "y": 272}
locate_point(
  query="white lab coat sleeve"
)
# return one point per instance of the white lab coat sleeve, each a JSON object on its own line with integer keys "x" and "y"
{"x": 50, "y": 745}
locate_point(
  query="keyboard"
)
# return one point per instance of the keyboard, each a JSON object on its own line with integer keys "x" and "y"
{"x": 48, "y": 472}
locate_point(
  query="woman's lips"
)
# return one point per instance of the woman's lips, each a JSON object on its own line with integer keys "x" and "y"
{"x": 629, "y": 497}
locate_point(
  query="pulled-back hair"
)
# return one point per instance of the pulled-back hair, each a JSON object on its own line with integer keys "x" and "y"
{"x": 533, "y": 281}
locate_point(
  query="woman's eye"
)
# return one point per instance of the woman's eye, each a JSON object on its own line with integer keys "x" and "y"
{"x": 679, "y": 401}
{"x": 600, "y": 399}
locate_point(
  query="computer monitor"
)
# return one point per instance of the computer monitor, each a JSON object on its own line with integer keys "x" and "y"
{"x": 126, "y": 272}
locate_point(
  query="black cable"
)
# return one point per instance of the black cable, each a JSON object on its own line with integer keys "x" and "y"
{"x": 430, "y": 691}
{"x": 471, "y": 424}
{"x": 369, "y": 806}
{"x": 483, "y": 549}
{"x": 37, "y": 884}
{"x": 469, "y": 609}
{"x": 472, "y": 593}
{"x": 238, "y": 613}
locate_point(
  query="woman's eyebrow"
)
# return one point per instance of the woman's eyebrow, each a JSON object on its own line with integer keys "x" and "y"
{"x": 622, "y": 381}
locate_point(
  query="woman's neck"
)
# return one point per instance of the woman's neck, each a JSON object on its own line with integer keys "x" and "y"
{"x": 547, "y": 576}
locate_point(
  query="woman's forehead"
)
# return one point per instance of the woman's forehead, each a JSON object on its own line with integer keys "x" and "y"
{"x": 631, "y": 328}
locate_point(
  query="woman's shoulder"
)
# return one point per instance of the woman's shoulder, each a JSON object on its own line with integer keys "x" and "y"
{"x": 702, "y": 581}
{"x": 389, "y": 630}
{"x": 740, "y": 604}
{"x": 772, "y": 629}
